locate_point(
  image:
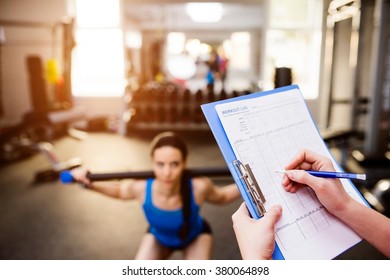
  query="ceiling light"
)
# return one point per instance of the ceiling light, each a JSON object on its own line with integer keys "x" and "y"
{"x": 205, "y": 12}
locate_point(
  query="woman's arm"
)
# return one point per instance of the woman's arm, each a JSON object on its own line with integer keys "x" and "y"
{"x": 121, "y": 189}
{"x": 368, "y": 223}
{"x": 219, "y": 195}
{"x": 124, "y": 189}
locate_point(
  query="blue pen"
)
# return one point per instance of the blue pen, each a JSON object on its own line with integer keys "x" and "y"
{"x": 327, "y": 174}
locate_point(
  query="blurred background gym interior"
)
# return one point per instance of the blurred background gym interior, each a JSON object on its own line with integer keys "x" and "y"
{"x": 92, "y": 81}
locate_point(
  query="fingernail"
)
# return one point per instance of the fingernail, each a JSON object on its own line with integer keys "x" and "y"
{"x": 277, "y": 208}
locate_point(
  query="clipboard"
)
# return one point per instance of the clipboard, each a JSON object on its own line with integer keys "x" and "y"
{"x": 223, "y": 142}
{"x": 250, "y": 189}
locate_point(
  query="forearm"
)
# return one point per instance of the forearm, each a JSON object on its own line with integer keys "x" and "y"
{"x": 111, "y": 189}
{"x": 230, "y": 193}
{"x": 369, "y": 224}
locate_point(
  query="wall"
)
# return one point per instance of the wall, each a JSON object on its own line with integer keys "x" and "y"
{"x": 22, "y": 41}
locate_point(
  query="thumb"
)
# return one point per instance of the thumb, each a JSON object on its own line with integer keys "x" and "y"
{"x": 241, "y": 213}
{"x": 273, "y": 214}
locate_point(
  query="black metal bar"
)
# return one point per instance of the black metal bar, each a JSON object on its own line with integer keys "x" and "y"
{"x": 193, "y": 172}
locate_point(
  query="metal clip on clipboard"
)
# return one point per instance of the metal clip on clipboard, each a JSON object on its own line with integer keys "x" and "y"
{"x": 252, "y": 186}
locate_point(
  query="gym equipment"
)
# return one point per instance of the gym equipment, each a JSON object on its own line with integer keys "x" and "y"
{"x": 356, "y": 95}
{"x": 358, "y": 92}
{"x": 210, "y": 96}
{"x": 66, "y": 176}
{"x": 186, "y": 98}
{"x": 379, "y": 196}
{"x": 16, "y": 148}
{"x": 41, "y": 125}
{"x": 52, "y": 107}
{"x": 340, "y": 139}
{"x": 168, "y": 106}
{"x": 223, "y": 95}
{"x": 283, "y": 76}
{"x": 57, "y": 166}
{"x": 199, "y": 96}
{"x": 377, "y": 144}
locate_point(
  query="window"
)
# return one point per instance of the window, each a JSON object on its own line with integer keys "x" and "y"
{"x": 240, "y": 47}
{"x": 98, "y": 58}
{"x": 294, "y": 41}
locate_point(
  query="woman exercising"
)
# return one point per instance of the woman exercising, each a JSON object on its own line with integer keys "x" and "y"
{"x": 171, "y": 202}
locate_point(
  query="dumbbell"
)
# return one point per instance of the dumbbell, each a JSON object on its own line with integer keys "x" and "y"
{"x": 66, "y": 176}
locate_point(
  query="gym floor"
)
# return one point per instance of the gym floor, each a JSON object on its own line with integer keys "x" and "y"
{"x": 47, "y": 221}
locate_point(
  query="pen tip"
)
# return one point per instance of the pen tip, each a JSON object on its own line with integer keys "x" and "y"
{"x": 280, "y": 171}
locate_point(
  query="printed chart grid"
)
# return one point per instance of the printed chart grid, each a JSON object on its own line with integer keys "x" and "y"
{"x": 306, "y": 215}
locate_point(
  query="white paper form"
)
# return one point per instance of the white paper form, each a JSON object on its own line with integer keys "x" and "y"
{"x": 266, "y": 132}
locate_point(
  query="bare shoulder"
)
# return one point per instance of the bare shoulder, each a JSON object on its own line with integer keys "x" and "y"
{"x": 135, "y": 188}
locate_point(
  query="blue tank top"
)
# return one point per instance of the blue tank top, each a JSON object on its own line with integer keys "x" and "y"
{"x": 165, "y": 224}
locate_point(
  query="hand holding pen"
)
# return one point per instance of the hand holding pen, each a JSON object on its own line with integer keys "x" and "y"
{"x": 336, "y": 200}
{"x": 330, "y": 193}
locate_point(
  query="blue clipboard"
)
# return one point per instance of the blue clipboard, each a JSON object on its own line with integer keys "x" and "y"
{"x": 227, "y": 151}
{"x": 223, "y": 142}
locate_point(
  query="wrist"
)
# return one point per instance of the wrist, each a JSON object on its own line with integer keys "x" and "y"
{"x": 88, "y": 186}
{"x": 344, "y": 209}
